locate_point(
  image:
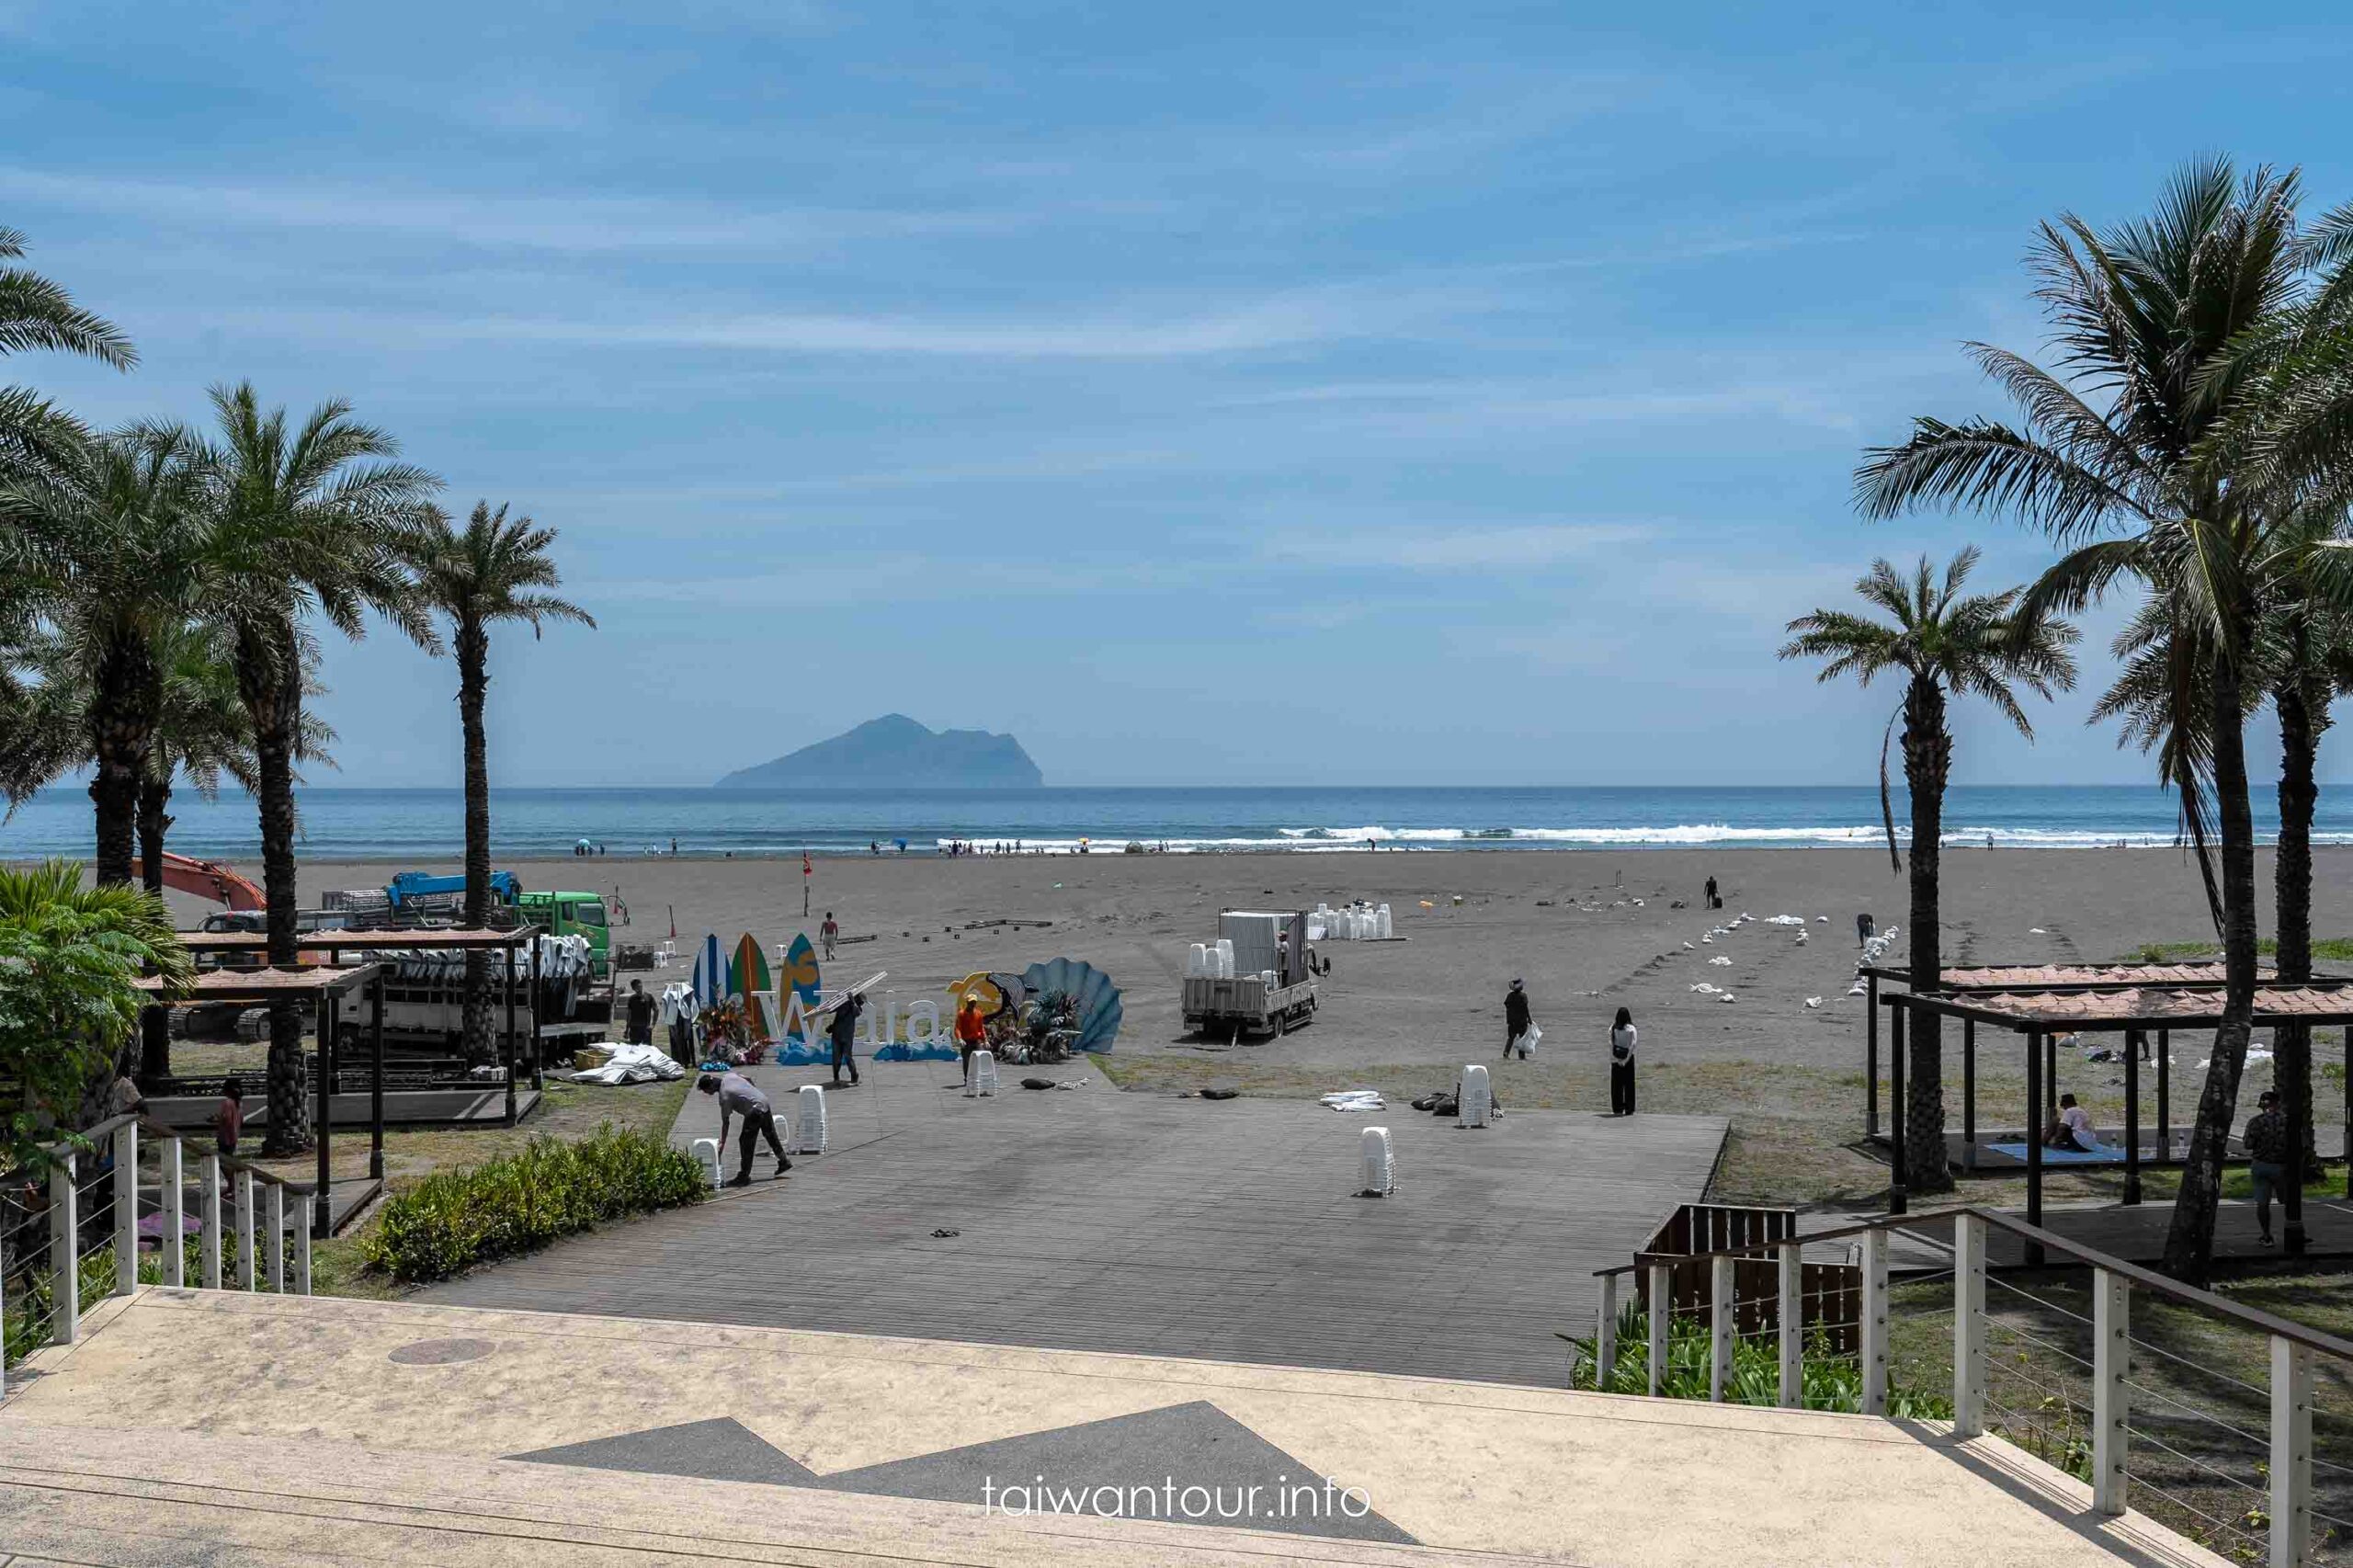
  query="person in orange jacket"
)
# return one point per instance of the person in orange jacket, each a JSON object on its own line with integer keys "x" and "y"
{"x": 971, "y": 1030}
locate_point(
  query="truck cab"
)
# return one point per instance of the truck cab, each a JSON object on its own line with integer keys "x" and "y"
{"x": 573, "y": 914}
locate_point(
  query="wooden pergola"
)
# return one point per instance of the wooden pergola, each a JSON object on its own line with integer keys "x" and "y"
{"x": 2040, "y": 1014}
{"x": 322, "y": 987}
{"x": 220, "y": 985}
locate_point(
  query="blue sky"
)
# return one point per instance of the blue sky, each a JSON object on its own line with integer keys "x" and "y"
{"x": 1214, "y": 394}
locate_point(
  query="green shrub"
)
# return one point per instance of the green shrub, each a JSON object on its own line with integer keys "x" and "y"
{"x": 453, "y": 1220}
{"x": 1829, "y": 1381}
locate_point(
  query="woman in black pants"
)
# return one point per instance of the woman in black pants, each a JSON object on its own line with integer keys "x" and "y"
{"x": 1621, "y": 1064}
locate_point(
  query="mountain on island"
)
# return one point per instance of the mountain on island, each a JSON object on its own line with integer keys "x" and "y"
{"x": 895, "y": 751}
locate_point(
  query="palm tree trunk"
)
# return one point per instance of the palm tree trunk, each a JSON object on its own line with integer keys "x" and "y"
{"x": 122, "y": 727}
{"x": 155, "y": 1024}
{"x": 1927, "y": 761}
{"x": 270, "y": 677}
{"x": 2189, "y": 1243}
{"x": 473, "y": 680}
{"x": 2301, "y": 720}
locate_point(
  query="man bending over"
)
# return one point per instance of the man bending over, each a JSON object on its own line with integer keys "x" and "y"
{"x": 739, "y": 1096}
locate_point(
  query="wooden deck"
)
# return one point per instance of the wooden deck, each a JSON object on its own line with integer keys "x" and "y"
{"x": 1094, "y": 1220}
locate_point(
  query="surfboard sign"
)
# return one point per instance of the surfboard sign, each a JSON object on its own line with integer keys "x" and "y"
{"x": 747, "y": 977}
{"x": 711, "y": 973}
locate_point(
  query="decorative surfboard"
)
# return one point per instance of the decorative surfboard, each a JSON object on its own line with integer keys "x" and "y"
{"x": 798, "y": 977}
{"x": 711, "y": 973}
{"x": 747, "y": 976}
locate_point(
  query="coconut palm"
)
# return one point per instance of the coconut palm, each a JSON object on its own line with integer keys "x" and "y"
{"x": 36, "y": 313}
{"x": 123, "y": 542}
{"x": 495, "y": 571}
{"x": 2122, "y": 457}
{"x": 1943, "y": 643}
{"x": 305, "y": 519}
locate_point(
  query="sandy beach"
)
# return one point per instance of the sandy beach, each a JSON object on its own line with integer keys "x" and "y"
{"x": 1589, "y": 932}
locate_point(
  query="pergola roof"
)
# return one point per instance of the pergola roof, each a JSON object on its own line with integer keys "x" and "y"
{"x": 2070, "y": 976}
{"x": 440, "y": 938}
{"x": 259, "y": 985}
{"x": 2138, "y": 1006}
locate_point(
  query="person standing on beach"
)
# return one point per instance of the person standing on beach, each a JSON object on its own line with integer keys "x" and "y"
{"x": 971, "y": 1030}
{"x": 845, "y": 1037}
{"x": 738, "y": 1096}
{"x": 1863, "y": 929}
{"x": 1515, "y": 1017}
{"x": 1713, "y": 900}
{"x": 641, "y": 1015}
{"x": 1621, "y": 1064}
{"x": 828, "y": 933}
{"x": 2267, "y": 1161}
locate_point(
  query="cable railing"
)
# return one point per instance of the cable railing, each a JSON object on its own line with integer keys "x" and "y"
{"x": 2055, "y": 1369}
{"x": 74, "y": 1241}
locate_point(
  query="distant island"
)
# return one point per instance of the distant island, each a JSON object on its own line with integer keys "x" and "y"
{"x": 896, "y": 751}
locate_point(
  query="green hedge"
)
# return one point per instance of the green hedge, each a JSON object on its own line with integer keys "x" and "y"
{"x": 1831, "y": 1381}
{"x": 454, "y": 1220}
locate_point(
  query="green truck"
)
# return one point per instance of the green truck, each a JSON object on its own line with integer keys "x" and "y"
{"x": 573, "y": 914}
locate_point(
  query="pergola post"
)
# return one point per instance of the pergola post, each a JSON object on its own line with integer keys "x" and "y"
{"x": 2132, "y": 1041}
{"x": 2034, "y": 1125}
{"x": 1969, "y": 1093}
{"x": 2050, "y": 1075}
{"x": 2165, "y": 1095}
{"x": 330, "y": 1016}
{"x": 375, "y": 1083}
{"x": 1898, "y": 1109}
{"x": 1870, "y": 1056}
{"x": 539, "y": 1040}
{"x": 511, "y": 1114}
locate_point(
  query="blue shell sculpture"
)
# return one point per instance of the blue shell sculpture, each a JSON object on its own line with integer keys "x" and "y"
{"x": 1097, "y": 998}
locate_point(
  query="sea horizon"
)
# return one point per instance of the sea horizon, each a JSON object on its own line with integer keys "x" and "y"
{"x": 359, "y": 822}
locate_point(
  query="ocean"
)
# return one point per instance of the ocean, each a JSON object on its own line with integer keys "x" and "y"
{"x": 418, "y": 825}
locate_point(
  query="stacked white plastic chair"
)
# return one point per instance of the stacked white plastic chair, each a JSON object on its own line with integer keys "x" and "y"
{"x": 1476, "y": 1105}
{"x": 809, "y": 1124}
{"x": 707, "y": 1150}
{"x": 980, "y": 1076}
{"x": 1379, "y": 1163}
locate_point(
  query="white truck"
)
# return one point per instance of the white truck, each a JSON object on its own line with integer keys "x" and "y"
{"x": 1255, "y": 979}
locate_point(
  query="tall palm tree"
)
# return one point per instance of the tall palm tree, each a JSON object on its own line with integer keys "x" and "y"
{"x": 305, "y": 519}
{"x": 1942, "y": 643}
{"x": 123, "y": 539}
{"x": 495, "y": 571}
{"x": 36, "y": 313}
{"x": 2121, "y": 459}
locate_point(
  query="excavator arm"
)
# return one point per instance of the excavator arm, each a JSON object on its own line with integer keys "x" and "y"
{"x": 208, "y": 879}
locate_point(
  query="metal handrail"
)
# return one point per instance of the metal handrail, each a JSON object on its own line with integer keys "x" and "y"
{"x": 2143, "y": 1278}
{"x": 229, "y": 1163}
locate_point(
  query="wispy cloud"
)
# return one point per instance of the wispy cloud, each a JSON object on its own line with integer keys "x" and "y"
{"x": 1444, "y": 546}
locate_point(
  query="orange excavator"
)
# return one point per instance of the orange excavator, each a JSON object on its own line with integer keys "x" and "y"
{"x": 208, "y": 879}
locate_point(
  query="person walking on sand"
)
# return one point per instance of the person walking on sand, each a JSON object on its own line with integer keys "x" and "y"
{"x": 1863, "y": 929}
{"x": 1621, "y": 1064}
{"x": 739, "y": 1096}
{"x": 829, "y": 934}
{"x": 971, "y": 1030}
{"x": 1516, "y": 1017}
{"x": 845, "y": 1037}
{"x": 641, "y": 1015}
{"x": 1713, "y": 900}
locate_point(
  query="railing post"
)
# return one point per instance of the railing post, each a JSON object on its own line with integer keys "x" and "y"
{"x": 2291, "y": 1454}
{"x": 1793, "y": 1320}
{"x": 302, "y": 1247}
{"x": 1605, "y": 1336}
{"x": 1874, "y": 1323}
{"x": 2111, "y": 1355}
{"x": 273, "y": 1245}
{"x": 173, "y": 1252}
{"x": 1662, "y": 1309}
{"x": 243, "y": 1273}
{"x": 1720, "y": 1335}
{"x": 64, "y": 1269}
{"x": 1968, "y": 1325}
{"x": 126, "y": 1209}
{"x": 207, "y": 1224}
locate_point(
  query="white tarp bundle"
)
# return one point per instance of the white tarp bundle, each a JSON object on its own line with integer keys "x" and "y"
{"x": 1354, "y": 1099}
{"x": 632, "y": 1064}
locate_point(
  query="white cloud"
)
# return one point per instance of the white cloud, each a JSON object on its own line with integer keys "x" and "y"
{"x": 1443, "y": 547}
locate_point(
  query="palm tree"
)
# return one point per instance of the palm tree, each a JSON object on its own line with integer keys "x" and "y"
{"x": 492, "y": 571}
{"x": 304, "y": 519}
{"x": 35, "y": 314}
{"x": 122, "y": 540}
{"x": 1980, "y": 645}
{"x": 2134, "y": 474}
